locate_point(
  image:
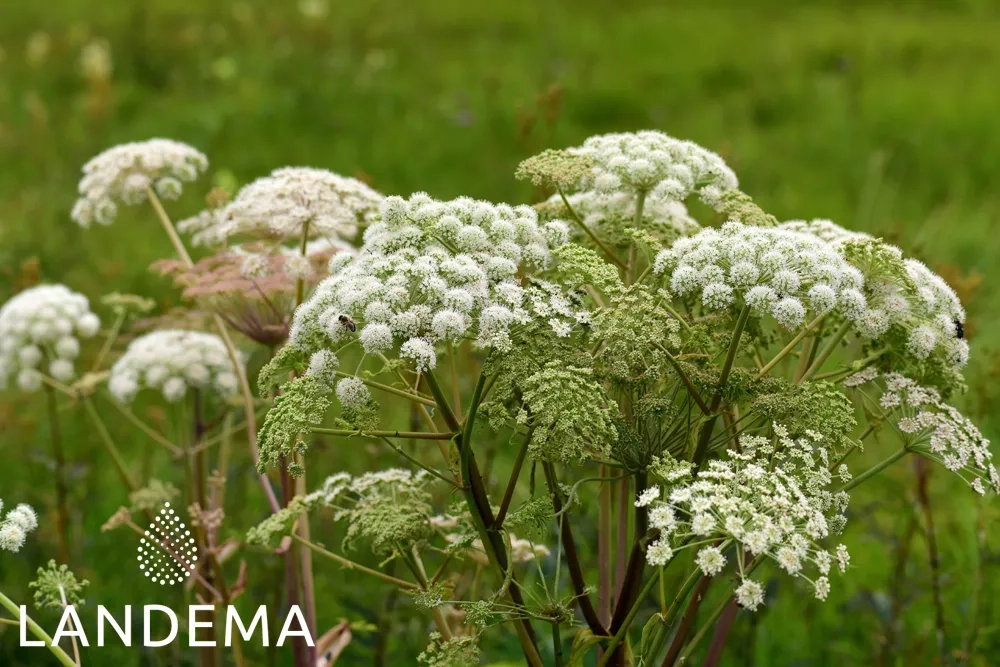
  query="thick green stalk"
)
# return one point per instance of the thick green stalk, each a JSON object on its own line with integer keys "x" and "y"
{"x": 36, "y": 630}
{"x": 479, "y": 507}
{"x": 825, "y": 353}
{"x": 609, "y": 651}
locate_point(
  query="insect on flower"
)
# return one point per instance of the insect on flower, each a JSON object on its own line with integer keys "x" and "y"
{"x": 347, "y": 323}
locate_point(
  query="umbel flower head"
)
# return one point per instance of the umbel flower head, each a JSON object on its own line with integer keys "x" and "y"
{"x": 292, "y": 201}
{"x": 14, "y": 527}
{"x": 57, "y": 586}
{"x": 40, "y": 331}
{"x": 931, "y": 427}
{"x": 125, "y": 174}
{"x": 903, "y": 301}
{"x": 770, "y": 499}
{"x": 173, "y": 361}
{"x": 432, "y": 271}
{"x": 785, "y": 273}
{"x": 634, "y": 162}
{"x": 388, "y": 509}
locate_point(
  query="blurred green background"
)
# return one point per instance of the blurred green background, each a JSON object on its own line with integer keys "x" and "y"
{"x": 883, "y": 116}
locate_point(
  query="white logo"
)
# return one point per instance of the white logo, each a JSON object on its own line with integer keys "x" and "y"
{"x": 167, "y": 553}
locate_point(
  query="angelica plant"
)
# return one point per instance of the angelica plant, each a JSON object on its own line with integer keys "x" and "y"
{"x": 703, "y": 379}
{"x": 695, "y": 383}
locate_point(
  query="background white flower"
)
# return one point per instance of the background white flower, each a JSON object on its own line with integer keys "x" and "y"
{"x": 40, "y": 332}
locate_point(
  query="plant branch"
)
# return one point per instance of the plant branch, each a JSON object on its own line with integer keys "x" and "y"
{"x": 36, "y": 630}
{"x": 791, "y": 346}
{"x": 512, "y": 482}
{"x": 351, "y": 565}
{"x": 727, "y": 366}
{"x": 825, "y": 353}
{"x": 593, "y": 237}
{"x": 572, "y": 557}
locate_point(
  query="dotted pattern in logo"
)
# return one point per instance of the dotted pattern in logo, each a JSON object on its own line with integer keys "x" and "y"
{"x": 167, "y": 553}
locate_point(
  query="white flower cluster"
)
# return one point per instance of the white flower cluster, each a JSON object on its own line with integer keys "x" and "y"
{"x": 651, "y": 161}
{"x": 932, "y": 315}
{"x": 608, "y": 214}
{"x": 826, "y": 230}
{"x": 14, "y": 528}
{"x": 922, "y": 303}
{"x": 342, "y": 485}
{"x": 430, "y": 272}
{"x": 770, "y": 500}
{"x": 286, "y": 204}
{"x": 126, "y": 172}
{"x": 172, "y": 361}
{"x": 43, "y": 323}
{"x": 933, "y": 428}
{"x": 778, "y": 271}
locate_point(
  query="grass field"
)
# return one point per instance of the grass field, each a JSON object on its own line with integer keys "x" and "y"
{"x": 881, "y": 116}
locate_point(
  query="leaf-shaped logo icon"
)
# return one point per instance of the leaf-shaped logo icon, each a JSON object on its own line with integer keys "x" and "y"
{"x": 167, "y": 552}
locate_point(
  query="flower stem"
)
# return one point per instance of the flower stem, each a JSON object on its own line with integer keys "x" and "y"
{"x": 62, "y": 493}
{"x": 512, "y": 482}
{"x": 593, "y": 237}
{"x": 609, "y": 651}
{"x": 351, "y": 565}
{"x": 594, "y": 622}
{"x": 420, "y": 465}
{"x": 234, "y": 357}
{"x": 36, "y": 630}
{"x": 479, "y": 507}
{"x": 416, "y": 398}
{"x": 825, "y": 353}
{"x": 875, "y": 469}
{"x": 145, "y": 428}
{"x": 408, "y": 435}
{"x": 727, "y": 366}
{"x": 109, "y": 445}
{"x": 791, "y": 346}
{"x": 109, "y": 341}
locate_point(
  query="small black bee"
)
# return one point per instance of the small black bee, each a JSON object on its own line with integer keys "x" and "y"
{"x": 959, "y": 330}
{"x": 347, "y": 322}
